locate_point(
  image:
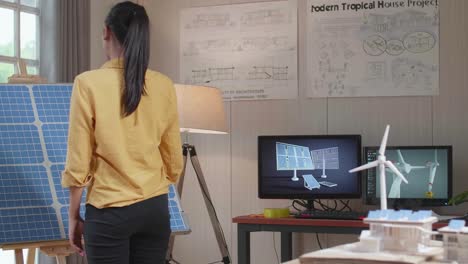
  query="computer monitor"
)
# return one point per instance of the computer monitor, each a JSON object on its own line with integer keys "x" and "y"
{"x": 428, "y": 170}
{"x": 309, "y": 167}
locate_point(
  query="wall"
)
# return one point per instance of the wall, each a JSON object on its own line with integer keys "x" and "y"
{"x": 229, "y": 161}
{"x": 99, "y": 10}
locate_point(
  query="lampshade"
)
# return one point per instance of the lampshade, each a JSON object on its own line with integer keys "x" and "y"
{"x": 201, "y": 109}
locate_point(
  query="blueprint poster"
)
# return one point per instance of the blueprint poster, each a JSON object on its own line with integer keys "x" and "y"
{"x": 372, "y": 48}
{"x": 249, "y": 51}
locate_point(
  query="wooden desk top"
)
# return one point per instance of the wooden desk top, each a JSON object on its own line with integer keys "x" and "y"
{"x": 259, "y": 219}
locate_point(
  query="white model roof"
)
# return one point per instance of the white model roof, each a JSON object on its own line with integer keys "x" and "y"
{"x": 400, "y": 217}
{"x": 455, "y": 226}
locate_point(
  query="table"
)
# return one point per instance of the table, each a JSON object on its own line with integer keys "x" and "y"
{"x": 286, "y": 226}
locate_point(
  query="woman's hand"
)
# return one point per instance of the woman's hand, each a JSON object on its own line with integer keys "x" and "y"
{"x": 75, "y": 233}
{"x": 75, "y": 223}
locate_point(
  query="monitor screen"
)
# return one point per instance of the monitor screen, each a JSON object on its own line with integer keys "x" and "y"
{"x": 428, "y": 170}
{"x": 309, "y": 167}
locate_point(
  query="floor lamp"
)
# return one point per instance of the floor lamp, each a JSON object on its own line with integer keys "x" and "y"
{"x": 201, "y": 110}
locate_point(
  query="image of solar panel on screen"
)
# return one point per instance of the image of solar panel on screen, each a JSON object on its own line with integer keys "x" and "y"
{"x": 293, "y": 157}
{"x": 327, "y": 158}
{"x": 33, "y": 146}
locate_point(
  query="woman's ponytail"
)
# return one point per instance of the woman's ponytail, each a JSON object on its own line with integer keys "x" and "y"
{"x": 130, "y": 24}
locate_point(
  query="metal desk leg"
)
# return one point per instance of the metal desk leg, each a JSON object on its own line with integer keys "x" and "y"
{"x": 243, "y": 245}
{"x": 286, "y": 246}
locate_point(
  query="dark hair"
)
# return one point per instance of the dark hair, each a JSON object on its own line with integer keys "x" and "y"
{"x": 130, "y": 25}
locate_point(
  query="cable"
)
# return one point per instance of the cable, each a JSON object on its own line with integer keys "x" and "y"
{"x": 293, "y": 205}
{"x": 345, "y": 205}
{"x": 274, "y": 247}
{"x": 318, "y": 241}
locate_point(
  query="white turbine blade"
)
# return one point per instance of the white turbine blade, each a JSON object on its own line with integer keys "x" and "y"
{"x": 418, "y": 167}
{"x": 400, "y": 157}
{"x": 395, "y": 170}
{"x": 365, "y": 166}
{"x": 383, "y": 144}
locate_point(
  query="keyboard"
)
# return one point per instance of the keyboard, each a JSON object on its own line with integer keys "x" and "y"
{"x": 337, "y": 215}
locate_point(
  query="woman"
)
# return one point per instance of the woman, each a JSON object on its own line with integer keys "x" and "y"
{"x": 124, "y": 146}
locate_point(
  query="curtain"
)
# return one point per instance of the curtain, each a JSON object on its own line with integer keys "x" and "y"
{"x": 73, "y": 38}
{"x": 65, "y": 39}
{"x": 48, "y": 40}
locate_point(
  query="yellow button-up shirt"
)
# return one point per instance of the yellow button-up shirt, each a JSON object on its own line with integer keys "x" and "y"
{"x": 122, "y": 160}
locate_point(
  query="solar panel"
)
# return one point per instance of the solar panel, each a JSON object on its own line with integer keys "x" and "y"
{"x": 292, "y": 157}
{"x": 327, "y": 156}
{"x": 456, "y": 224}
{"x": 33, "y": 144}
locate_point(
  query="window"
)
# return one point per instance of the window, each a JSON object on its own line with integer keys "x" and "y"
{"x": 19, "y": 22}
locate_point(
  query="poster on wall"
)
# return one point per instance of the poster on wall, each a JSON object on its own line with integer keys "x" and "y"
{"x": 372, "y": 48}
{"x": 249, "y": 51}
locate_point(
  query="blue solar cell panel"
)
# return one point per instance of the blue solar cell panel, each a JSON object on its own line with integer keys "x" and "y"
{"x": 178, "y": 222}
{"x": 281, "y": 163}
{"x": 55, "y": 137}
{"x": 281, "y": 149}
{"x": 53, "y": 102}
{"x": 374, "y": 215}
{"x": 20, "y": 144}
{"x": 290, "y": 151}
{"x": 456, "y": 224}
{"x": 24, "y": 186}
{"x": 29, "y": 224}
{"x": 62, "y": 193}
{"x": 292, "y": 163}
{"x": 395, "y": 216}
{"x": 33, "y": 204}
{"x": 15, "y": 105}
{"x": 292, "y": 157}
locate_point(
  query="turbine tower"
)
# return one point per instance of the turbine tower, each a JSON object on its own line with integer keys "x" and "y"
{"x": 432, "y": 172}
{"x": 382, "y": 162}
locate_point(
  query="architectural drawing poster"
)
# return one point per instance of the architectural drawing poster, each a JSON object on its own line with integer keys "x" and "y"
{"x": 372, "y": 48}
{"x": 249, "y": 51}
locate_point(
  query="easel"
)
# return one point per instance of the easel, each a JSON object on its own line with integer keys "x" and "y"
{"x": 23, "y": 77}
{"x": 59, "y": 249}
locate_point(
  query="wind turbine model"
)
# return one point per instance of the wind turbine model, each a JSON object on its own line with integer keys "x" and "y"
{"x": 403, "y": 166}
{"x": 382, "y": 162}
{"x": 432, "y": 171}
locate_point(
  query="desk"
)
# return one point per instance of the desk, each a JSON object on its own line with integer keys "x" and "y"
{"x": 286, "y": 226}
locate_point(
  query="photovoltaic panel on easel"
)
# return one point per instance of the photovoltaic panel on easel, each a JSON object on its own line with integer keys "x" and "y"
{"x": 33, "y": 144}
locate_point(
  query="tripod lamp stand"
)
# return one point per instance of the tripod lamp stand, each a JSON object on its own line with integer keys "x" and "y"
{"x": 201, "y": 110}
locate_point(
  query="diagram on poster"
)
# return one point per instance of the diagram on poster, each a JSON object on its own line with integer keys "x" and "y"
{"x": 372, "y": 48}
{"x": 249, "y": 51}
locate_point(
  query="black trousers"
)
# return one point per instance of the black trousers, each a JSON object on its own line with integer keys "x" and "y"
{"x": 134, "y": 234}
